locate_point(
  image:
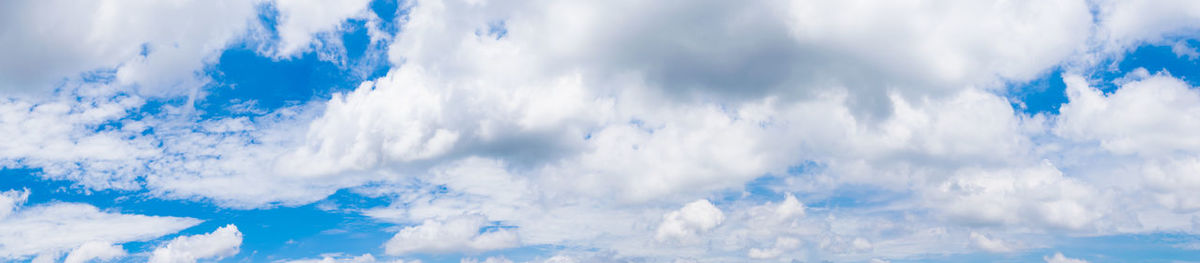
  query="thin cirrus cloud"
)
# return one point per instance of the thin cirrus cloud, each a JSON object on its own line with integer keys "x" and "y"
{"x": 583, "y": 131}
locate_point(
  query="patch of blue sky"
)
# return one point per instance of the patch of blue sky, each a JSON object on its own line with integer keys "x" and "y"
{"x": 388, "y": 12}
{"x": 1043, "y": 95}
{"x": 1158, "y": 58}
{"x": 243, "y": 75}
{"x": 268, "y": 17}
{"x": 774, "y": 188}
{"x": 1047, "y": 93}
{"x": 763, "y": 188}
{"x": 356, "y": 40}
{"x": 496, "y": 29}
{"x": 852, "y": 196}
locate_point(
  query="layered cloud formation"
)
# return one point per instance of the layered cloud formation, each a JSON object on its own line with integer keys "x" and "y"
{"x": 598, "y": 131}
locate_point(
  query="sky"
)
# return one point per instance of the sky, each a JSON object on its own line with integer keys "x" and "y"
{"x": 554, "y": 131}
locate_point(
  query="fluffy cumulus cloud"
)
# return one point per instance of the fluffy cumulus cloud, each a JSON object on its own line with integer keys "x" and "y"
{"x": 693, "y": 219}
{"x": 223, "y": 242}
{"x": 466, "y": 233}
{"x": 617, "y": 130}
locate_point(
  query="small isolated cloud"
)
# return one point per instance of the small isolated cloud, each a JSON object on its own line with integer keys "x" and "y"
{"x": 224, "y": 242}
{"x": 459, "y": 234}
{"x": 687, "y": 223}
{"x": 1183, "y": 50}
{"x": 1059, "y": 258}
{"x": 989, "y": 244}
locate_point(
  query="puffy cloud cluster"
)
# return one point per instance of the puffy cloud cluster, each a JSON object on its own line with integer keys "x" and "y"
{"x": 646, "y": 117}
{"x": 223, "y": 242}
{"x": 1150, "y": 117}
{"x": 1142, "y": 128}
{"x": 1035, "y": 196}
{"x": 588, "y": 124}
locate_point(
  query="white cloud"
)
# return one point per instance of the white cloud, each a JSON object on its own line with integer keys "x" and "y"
{"x": 94, "y": 251}
{"x": 653, "y": 149}
{"x": 1059, "y": 258}
{"x": 299, "y": 20}
{"x": 560, "y": 259}
{"x": 781, "y": 245}
{"x": 68, "y": 143}
{"x": 1038, "y": 196}
{"x": 1183, "y": 50}
{"x": 1150, "y": 117}
{"x": 48, "y": 230}
{"x": 687, "y": 223}
{"x": 338, "y": 258}
{"x": 1125, "y": 24}
{"x": 223, "y": 242}
{"x": 990, "y": 244}
{"x": 11, "y": 200}
{"x": 579, "y": 123}
{"x": 487, "y": 260}
{"x": 144, "y": 41}
{"x": 48, "y": 41}
{"x": 784, "y": 44}
{"x": 459, "y": 234}
{"x": 1145, "y": 127}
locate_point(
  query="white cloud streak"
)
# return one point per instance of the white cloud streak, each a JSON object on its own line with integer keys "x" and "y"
{"x": 48, "y": 230}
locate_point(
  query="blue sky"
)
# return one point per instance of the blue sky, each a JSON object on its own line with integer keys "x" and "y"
{"x": 614, "y": 131}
